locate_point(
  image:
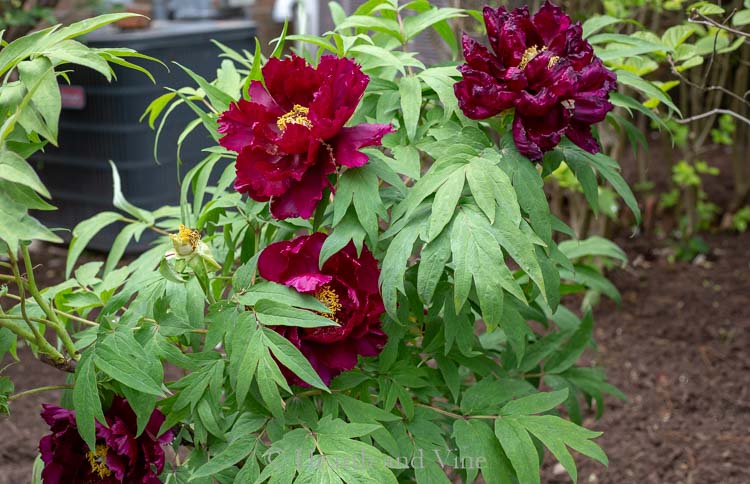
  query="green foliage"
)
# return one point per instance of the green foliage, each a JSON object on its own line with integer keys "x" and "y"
{"x": 481, "y": 351}
{"x": 29, "y": 110}
{"x": 724, "y": 134}
{"x": 13, "y": 13}
{"x": 741, "y": 219}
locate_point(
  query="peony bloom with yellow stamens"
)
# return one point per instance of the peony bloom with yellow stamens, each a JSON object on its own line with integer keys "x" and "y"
{"x": 543, "y": 69}
{"x": 347, "y": 285}
{"x": 119, "y": 456}
{"x": 290, "y": 135}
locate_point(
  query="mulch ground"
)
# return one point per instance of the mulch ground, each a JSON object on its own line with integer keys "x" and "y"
{"x": 679, "y": 347}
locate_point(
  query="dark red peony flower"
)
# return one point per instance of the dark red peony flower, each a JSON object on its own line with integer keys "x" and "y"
{"x": 290, "y": 136}
{"x": 347, "y": 285}
{"x": 543, "y": 68}
{"x": 119, "y": 455}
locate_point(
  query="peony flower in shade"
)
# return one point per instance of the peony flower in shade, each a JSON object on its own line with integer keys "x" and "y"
{"x": 542, "y": 67}
{"x": 347, "y": 285}
{"x": 119, "y": 456}
{"x": 290, "y": 136}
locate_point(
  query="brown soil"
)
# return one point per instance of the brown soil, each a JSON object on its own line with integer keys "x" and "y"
{"x": 679, "y": 348}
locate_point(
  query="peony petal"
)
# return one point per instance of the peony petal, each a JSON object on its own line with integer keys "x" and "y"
{"x": 480, "y": 96}
{"x": 536, "y": 135}
{"x": 536, "y": 104}
{"x": 54, "y": 415}
{"x": 524, "y": 144}
{"x": 296, "y": 138}
{"x": 479, "y": 58}
{"x": 281, "y": 261}
{"x": 517, "y": 34}
{"x": 493, "y": 21}
{"x": 549, "y": 21}
{"x": 129, "y": 459}
{"x": 303, "y": 196}
{"x": 246, "y": 123}
{"x": 308, "y": 282}
{"x": 571, "y": 45}
{"x": 333, "y": 349}
{"x": 54, "y": 473}
{"x": 259, "y": 95}
{"x": 262, "y": 175}
{"x": 580, "y": 134}
{"x": 342, "y": 85}
{"x": 290, "y": 81}
{"x": 595, "y": 80}
{"x": 591, "y": 110}
{"x": 339, "y": 357}
{"x": 273, "y": 263}
{"x": 372, "y": 344}
{"x": 349, "y": 140}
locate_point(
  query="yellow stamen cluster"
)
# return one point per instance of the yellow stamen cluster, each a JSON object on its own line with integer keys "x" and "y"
{"x": 330, "y": 299}
{"x": 186, "y": 240}
{"x": 529, "y": 54}
{"x": 188, "y": 236}
{"x": 98, "y": 461}
{"x": 298, "y": 115}
{"x": 533, "y": 51}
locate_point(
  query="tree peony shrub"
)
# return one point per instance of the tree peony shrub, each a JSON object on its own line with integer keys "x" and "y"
{"x": 362, "y": 282}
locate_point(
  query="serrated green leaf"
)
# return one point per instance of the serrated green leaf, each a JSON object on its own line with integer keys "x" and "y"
{"x": 410, "y": 91}
{"x": 482, "y": 189}
{"x": 593, "y": 246}
{"x": 47, "y": 99}
{"x": 292, "y": 358}
{"x": 361, "y": 412}
{"x": 391, "y": 279}
{"x": 649, "y": 89}
{"x": 246, "y": 350}
{"x": 15, "y": 169}
{"x": 434, "y": 257}
{"x": 607, "y": 168}
{"x": 143, "y": 406}
{"x": 597, "y": 23}
{"x": 593, "y": 279}
{"x": 571, "y": 352}
{"x": 476, "y": 441}
{"x": 415, "y": 24}
{"x": 384, "y": 57}
{"x": 237, "y": 450}
{"x": 119, "y": 201}
{"x": 519, "y": 448}
{"x": 285, "y": 455}
{"x": 84, "y": 232}
{"x": 272, "y": 313}
{"x": 446, "y": 199}
{"x": 86, "y": 400}
{"x": 282, "y": 294}
{"x": 555, "y": 433}
{"x": 536, "y": 403}
{"x": 349, "y": 230}
{"x": 121, "y": 357}
{"x": 378, "y": 24}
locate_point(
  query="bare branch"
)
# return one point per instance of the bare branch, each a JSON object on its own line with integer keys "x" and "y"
{"x": 695, "y": 14}
{"x": 704, "y": 87}
{"x": 713, "y": 112}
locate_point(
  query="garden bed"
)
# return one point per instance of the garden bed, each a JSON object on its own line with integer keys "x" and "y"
{"x": 679, "y": 348}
